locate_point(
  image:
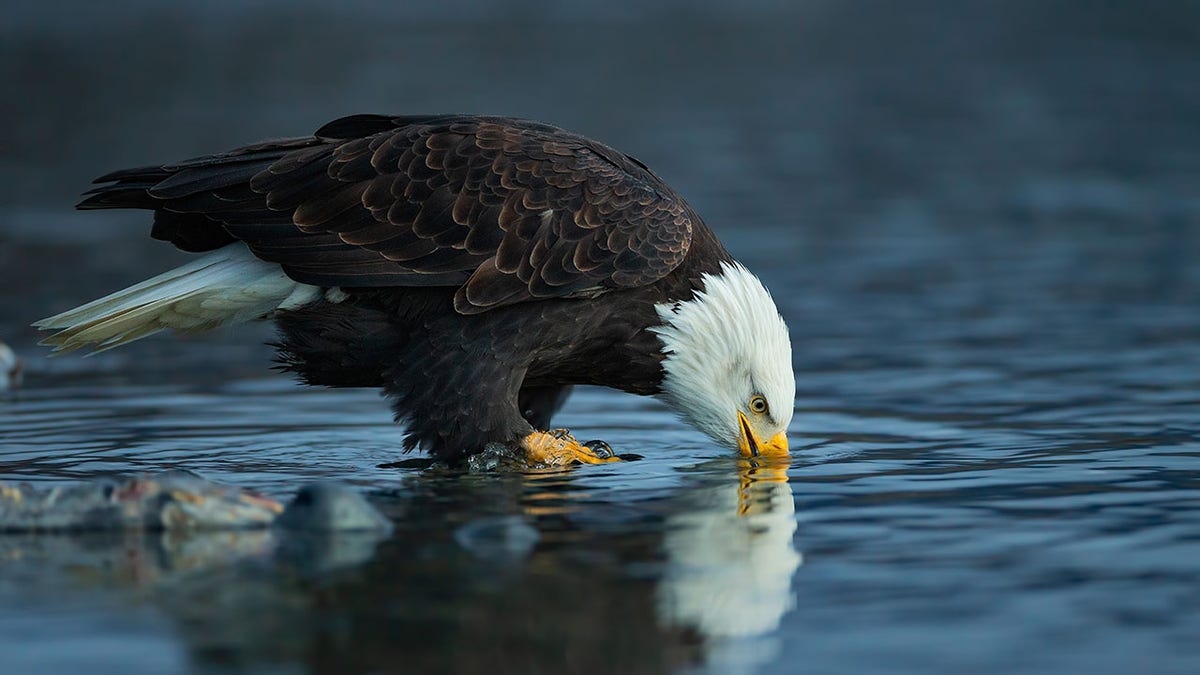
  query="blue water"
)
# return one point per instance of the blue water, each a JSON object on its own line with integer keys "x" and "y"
{"x": 981, "y": 225}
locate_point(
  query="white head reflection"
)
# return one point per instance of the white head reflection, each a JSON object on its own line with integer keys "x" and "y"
{"x": 731, "y": 560}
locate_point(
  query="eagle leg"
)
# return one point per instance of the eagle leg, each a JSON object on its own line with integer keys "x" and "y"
{"x": 559, "y": 448}
{"x": 539, "y": 404}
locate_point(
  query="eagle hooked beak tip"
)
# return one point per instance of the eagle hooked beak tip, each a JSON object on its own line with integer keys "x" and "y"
{"x": 751, "y": 445}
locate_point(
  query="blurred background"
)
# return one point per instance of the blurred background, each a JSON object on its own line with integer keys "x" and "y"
{"x": 981, "y": 220}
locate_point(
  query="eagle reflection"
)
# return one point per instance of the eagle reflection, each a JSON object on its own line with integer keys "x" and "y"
{"x": 731, "y": 559}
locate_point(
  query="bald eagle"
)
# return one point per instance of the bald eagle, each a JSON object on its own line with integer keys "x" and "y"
{"x": 473, "y": 267}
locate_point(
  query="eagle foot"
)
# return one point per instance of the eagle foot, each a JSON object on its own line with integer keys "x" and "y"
{"x": 559, "y": 448}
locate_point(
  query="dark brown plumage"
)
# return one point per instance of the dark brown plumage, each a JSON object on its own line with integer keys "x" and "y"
{"x": 509, "y": 210}
{"x": 443, "y": 231}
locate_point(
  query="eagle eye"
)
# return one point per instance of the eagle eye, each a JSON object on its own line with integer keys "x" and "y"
{"x": 758, "y": 404}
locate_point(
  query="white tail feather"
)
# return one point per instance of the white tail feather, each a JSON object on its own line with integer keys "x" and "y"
{"x": 225, "y": 287}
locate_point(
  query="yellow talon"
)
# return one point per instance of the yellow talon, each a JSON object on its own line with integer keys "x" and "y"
{"x": 559, "y": 448}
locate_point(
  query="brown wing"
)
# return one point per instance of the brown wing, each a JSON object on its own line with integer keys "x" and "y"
{"x": 507, "y": 210}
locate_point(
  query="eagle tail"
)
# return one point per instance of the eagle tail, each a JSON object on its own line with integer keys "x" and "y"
{"x": 225, "y": 287}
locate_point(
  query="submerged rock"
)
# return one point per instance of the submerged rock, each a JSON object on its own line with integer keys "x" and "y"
{"x": 329, "y": 527}
{"x": 176, "y": 501}
{"x": 504, "y": 539}
{"x": 326, "y": 507}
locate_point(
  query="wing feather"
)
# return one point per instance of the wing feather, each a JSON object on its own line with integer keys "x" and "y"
{"x": 505, "y": 210}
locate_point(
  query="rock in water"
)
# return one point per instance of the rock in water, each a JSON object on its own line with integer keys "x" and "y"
{"x": 172, "y": 500}
{"x": 181, "y": 500}
{"x": 327, "y": 507}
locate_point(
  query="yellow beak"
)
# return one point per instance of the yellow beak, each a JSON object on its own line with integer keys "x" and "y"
{"x": 751, "y": 445}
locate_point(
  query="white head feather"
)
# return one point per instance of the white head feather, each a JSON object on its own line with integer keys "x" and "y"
{"x": 724, "y": 346}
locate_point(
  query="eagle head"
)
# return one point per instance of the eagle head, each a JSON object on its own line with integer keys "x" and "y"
{"x": 728, "y": 365}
